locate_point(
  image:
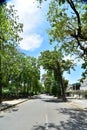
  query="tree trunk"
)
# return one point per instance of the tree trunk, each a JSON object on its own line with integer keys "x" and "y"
{"x": 59, "y": 74}
{"x": 0, "y": 92}
{"x": 63, "y": 89}
{"x": 0, "y": 81}
{"x": 0, "y": 85}
{"x": 58, "y": 83}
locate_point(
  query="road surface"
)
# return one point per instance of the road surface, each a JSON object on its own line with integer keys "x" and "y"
{"x": 43, "y": 113}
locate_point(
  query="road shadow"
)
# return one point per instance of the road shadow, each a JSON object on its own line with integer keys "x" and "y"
{"x": 53, "y": 100}
{"x": 49, "y": 127}
{"x": 12, "y": 109}
{"x": 4, "y": 106}
{"x": 77, "y": 121}
{"x": 37, "y": 127}
{"x": 9, "y": 108}
{"x": 1, "y": 116}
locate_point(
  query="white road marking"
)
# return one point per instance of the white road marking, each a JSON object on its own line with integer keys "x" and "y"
{"x": 46, "y": 117}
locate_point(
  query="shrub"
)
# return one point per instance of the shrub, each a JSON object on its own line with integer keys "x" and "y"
{"x": 7, "y": 94}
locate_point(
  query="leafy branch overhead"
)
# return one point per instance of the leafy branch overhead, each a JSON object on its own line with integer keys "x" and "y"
{"x": 50, "y": 60}
{"x": 68, "y": 20}
{"x": 68, "y": 27}
{"x": 10, "y": 28}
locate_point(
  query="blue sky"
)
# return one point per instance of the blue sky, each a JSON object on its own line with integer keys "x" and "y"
{"x": 35, "y": 38}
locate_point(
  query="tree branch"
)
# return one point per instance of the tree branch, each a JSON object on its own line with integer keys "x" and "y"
{"x": 77, "y": 14}
{"x": 81, "y": 47}
{"x": 78, "y": 35}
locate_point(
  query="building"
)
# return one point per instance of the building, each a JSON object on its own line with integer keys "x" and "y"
{"x": 84, "y": 85}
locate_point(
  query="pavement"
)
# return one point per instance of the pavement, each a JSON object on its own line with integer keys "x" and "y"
{"x": 11, "y": 103}
{"x": 78, "y": 103}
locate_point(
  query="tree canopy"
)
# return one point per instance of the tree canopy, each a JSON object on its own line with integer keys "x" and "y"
{"x": 10, "y": 28}
{"x": 53, "y": 61}
{"x": 18, "y": 73}
{"x": 68, "y": 27}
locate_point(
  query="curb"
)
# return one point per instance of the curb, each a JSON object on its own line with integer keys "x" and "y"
{"x": 10, "y": 106}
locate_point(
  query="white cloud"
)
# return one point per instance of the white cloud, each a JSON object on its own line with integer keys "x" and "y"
{"x": 31, "y": 42}
{"x": 31, "y": 17}
{"x": 29, "y": 14}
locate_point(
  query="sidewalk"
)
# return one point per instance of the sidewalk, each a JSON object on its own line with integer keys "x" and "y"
{"x": 79, "y": 103}
{"x": 7, "y": 104}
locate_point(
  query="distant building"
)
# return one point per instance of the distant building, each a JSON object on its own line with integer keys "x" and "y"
{"x": 84, "y": 85}
{"x": 69, "y": 88}
{"x": 76, "y": 86}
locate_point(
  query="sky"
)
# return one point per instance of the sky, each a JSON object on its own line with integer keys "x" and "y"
{"x": 35, "y": 37}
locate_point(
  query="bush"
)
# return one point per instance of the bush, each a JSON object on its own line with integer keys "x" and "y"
{"x": 23, "y": 95}
{"x": 7, "y": 94}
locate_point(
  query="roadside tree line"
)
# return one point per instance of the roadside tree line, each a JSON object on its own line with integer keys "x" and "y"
{"x": 18, "y": 73}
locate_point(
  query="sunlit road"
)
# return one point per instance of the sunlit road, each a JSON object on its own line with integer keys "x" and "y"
{"x": 43, "y": 113}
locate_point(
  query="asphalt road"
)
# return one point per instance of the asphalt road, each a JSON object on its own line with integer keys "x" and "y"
{"x": 43, "y": 113}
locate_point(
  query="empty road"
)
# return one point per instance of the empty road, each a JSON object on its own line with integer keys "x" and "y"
{"x": 44, "y": 113}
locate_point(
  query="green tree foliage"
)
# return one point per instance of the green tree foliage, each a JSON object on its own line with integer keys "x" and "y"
{"x": 68, "y": 27}
{"x": 9, "y": 26}
{"x": 18, "y": 73}
{"x": 51, "y": 84}
{"x": 70, "y": 34}
{"x": 9, "y": 39}
{"x": 24, "y": 75}
{"x": 53, "y": 60}
{"x": 48, "y": 81}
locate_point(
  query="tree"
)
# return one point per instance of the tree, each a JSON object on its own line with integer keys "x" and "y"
{"x": 35, "y": 75}
{"x": 48, "y": 80}
{"x": 72, "y": 33}
{"x": 2, "y": 1}
{"x": 68, "y": 27}
{"x": 53, "y": 60}
{"x": 9, "y": 38}
{"x": 27, "y": 74}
